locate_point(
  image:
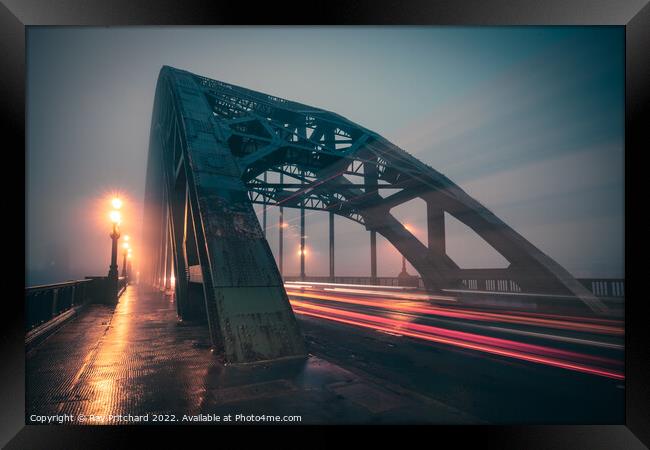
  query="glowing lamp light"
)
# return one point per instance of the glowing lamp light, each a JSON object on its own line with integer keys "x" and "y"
{"x": 116, "y": 202}
{"x": 172, "y": 280}
{"x": 116, "y": 217}
{"x": 126, "y": 237}
{"x": 126, "y": 246}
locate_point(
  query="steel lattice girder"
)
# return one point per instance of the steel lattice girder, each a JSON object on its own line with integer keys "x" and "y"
{"x": 219, "y": 141}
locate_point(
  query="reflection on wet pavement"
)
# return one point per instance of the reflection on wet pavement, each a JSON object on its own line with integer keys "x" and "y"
{"x": 141, "y": 360}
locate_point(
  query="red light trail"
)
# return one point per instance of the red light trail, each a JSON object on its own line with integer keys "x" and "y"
{"x": 570, "y": 360}
{"x": 466, "y": 314}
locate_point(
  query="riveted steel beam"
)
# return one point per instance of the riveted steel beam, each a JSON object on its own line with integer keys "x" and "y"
{"x": 228, "y": 136}
{"x": 247, "y": 308}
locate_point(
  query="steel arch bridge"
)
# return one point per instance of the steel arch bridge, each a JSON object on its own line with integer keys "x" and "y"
{"x": 212, "y": 145}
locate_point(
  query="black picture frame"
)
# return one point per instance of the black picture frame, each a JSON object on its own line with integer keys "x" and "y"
{"x": 634, "y": 15}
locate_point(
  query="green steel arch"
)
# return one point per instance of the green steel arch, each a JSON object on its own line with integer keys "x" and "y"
{"x": 211, "y": 145}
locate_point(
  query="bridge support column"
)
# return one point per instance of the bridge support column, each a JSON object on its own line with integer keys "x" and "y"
{"x": 331, "y": 217}
{"x": 436, "y": 228}
{"x": 168, "y": 259}
{"x": 264, "y": 212}
{"x": 197, "y": 295}
{"x": 433, "y": 268}
{"x": 302, "y": 238}
{"x": 281, "y": 239}
{"x": 247, "y": 308}
{"x": 373, "y": 256}
{"x": 370, "y": 177}
{"x": 178, "y": 229}
{"x": 162, "y": 254}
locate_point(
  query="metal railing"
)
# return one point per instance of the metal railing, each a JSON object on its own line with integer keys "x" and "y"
{"x": 602, "y": 287}
{"x": 45, "y": 302}
{"x": 378, "y": 281}
{"x": 605, "y": 287}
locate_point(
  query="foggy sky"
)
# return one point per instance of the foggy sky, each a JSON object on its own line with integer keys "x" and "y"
{"x": 529, "y": 121}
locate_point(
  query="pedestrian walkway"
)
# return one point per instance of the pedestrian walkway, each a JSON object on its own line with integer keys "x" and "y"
{"x": 139, "y": 362}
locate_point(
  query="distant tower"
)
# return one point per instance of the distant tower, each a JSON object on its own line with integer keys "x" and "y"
{"x": 405, "y": 279}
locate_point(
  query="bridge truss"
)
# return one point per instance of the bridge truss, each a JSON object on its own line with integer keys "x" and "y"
{"x": 212, "y": 148}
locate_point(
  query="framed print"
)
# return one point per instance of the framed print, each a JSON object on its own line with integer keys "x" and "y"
{"x": 407, "y": 219}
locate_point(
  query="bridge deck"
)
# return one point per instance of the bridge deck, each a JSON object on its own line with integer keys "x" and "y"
{"x": 139, "y": 359}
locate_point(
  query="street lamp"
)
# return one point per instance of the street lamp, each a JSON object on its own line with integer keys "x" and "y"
{"x": 129, "y": 266}
{"x": 126, "y": 248}
{"x": 116, "y": 219}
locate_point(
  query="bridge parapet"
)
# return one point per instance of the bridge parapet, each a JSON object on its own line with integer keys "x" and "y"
{"x": 44, "y": 303}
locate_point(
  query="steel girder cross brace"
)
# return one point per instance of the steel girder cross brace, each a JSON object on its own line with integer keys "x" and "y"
{"x": 319, "y": 151}
{"x": 193, "y": 175}
{"x": 226, "y": 138}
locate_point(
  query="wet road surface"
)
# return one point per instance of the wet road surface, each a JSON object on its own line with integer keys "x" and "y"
{"x": 499, "y": 366}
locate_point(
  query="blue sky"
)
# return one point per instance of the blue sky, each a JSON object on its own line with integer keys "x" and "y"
{"x": 528, "y": 120}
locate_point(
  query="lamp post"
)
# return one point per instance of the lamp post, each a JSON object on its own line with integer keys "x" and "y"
{"x": 116, "y": 219}
{"x": 126, "y": 251}
{"x": 129, "y": 269}
{"x": 302, "y": 252}
{"x": 127, "y": 264}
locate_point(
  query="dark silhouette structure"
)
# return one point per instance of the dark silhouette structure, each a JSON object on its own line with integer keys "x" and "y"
{"x": 212, "y": 148}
